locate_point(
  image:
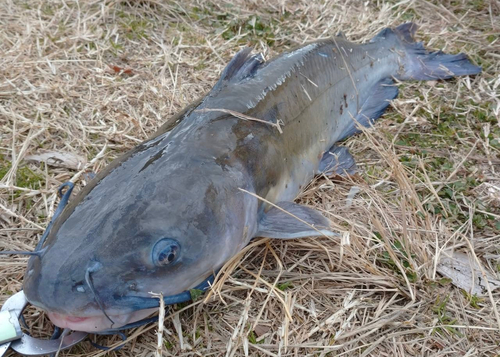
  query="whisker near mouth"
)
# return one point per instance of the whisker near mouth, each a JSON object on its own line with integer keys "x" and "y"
{"x": 88, "y": 279}
{"x": 13, "y": 252}
{"x": 62, "y": 204}
{"x": 141, "y": 302}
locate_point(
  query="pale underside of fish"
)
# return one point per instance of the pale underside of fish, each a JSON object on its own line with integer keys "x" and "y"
{"x": 225, "y": 170}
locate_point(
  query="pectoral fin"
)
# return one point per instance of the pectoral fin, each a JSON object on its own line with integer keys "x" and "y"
{"x": 290, "y": 220}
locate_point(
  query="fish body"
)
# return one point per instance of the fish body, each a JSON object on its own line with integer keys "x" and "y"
{"x": 174, "y": 209}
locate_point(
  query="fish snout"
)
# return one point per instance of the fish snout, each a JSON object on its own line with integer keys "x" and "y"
{"x": 66, "y": 294}
{"x": 32, "y": 282}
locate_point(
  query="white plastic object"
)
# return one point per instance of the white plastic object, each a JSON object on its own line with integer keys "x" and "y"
{"x": 10, "y": 330}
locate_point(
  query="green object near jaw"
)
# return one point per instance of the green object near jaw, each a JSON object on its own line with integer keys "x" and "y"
{"x": 24, "y": 344}
{"x": 10, "y": 330}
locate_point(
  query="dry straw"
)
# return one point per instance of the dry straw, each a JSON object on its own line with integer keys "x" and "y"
{"x": 94, "y": 78}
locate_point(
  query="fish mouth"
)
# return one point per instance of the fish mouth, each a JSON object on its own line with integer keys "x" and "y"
{"x": 98, "y": 323}
{"x": 127, "y": 310}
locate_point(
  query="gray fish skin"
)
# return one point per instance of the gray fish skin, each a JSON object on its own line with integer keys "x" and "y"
{"x": 185, "y": 184}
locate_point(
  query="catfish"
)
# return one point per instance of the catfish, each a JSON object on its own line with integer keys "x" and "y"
{"x": 167, "y": 214}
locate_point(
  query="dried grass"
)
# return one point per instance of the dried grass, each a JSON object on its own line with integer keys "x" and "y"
{"x": 94, "y": 78}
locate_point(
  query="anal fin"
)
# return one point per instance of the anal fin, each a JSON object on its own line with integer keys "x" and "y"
{"x": 376, "y": 104}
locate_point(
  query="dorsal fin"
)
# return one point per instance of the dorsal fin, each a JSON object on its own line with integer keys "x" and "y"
{"x": 383, "y": 35}
{"x": 243, "y": 65}
{"x": 341, "y": 35}
{"x": 404, "y": 32}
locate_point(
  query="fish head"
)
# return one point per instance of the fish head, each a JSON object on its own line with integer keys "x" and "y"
{"x": 124, "y": 237}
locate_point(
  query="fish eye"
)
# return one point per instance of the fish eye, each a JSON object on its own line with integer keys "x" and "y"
{"x": 165, "y": 252}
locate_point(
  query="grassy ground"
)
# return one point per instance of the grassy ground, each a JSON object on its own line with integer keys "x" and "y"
{"x": 94, "y": 78}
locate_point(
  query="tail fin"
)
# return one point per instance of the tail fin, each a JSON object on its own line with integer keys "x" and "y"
{"x": 420, "y": 64}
